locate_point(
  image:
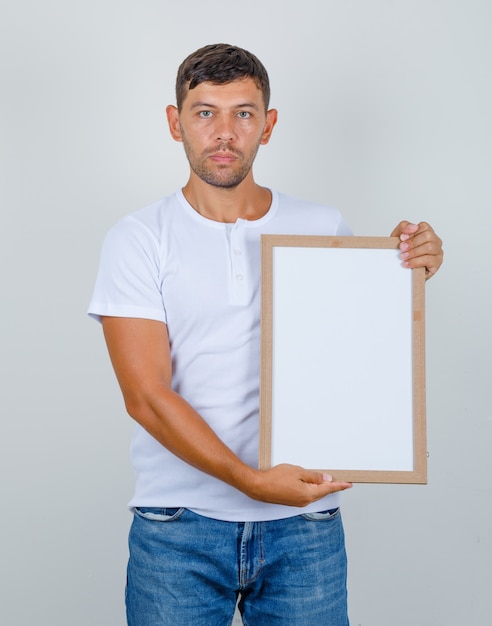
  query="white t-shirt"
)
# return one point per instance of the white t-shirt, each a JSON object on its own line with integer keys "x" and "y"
{"x": 202, "y": 278}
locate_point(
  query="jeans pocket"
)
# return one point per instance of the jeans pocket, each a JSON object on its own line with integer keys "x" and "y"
{"x": 159, "y": 514}
{"x": 322, "y": 516}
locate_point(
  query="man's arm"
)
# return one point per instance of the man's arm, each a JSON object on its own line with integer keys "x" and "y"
{"x": 140, "y": 354}
{"x": 420, "y": 246}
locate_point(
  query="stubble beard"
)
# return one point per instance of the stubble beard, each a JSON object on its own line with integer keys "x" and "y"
{"x": 220, "y": 175}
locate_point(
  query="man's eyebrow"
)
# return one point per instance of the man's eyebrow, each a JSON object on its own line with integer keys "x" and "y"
{"x": 208, "y": 105}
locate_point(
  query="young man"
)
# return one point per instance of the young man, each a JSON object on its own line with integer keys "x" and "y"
{"x": 178, "y": 296}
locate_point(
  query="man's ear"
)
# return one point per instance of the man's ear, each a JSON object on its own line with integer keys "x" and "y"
{"x": 173, "y": 121}
{"x": 271, "y": 120}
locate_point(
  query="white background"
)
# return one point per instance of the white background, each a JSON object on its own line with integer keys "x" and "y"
{"x": 385, "y": 111}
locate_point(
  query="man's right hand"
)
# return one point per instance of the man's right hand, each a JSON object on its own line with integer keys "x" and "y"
{"x": 292, "y": 485}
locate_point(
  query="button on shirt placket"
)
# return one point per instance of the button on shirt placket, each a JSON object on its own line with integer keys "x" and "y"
{"x": 237, "y": 256}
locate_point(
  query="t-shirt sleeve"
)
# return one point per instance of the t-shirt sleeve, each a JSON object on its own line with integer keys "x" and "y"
{"x": 128, "y": 282}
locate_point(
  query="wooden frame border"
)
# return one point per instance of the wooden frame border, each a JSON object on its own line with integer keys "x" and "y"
{"x": 417, "y": 474}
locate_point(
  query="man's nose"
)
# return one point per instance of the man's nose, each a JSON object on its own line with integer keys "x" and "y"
{"x": 224, "y": 130}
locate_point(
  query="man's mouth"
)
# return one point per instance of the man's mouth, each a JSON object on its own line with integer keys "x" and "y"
{"x": 222, "y": 157}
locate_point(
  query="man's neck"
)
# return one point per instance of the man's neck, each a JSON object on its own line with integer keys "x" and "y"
{"x": 247, "y": 200}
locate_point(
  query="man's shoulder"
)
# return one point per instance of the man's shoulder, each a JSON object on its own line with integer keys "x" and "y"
{"x": 150, "y": 217}
{"x": 303, "y": 216}
{"x": 156, "y": 210}
{"x": 295, "y": 203}
{"x": 300, "y": 208}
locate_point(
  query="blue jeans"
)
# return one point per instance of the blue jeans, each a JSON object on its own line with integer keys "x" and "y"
{"x": 189, "y": 570}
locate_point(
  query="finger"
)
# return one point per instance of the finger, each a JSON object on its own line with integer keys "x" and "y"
{"x": 404, "y": 228}
{"x": 329, "y": 487}
{"x": 423, "y": 250}
{"x": 313, "y": 477}
{"x": 430, "y": 262}
{"x": 420, "y": 246}
{"x": 326, "y": 485}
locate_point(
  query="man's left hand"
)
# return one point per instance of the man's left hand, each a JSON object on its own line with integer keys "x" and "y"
{"x": 420, "y": 246}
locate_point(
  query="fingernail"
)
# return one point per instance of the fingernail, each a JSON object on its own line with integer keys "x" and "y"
{"x": 327, "y": 478}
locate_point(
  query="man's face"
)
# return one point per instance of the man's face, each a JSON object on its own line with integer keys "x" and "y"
{"x": 221, "y": 127}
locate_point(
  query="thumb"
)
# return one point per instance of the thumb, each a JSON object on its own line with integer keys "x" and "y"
{"x": 404, "y": 228}
{"x": 316, "y": 478}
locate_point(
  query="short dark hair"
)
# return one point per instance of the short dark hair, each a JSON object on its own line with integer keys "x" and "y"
{"x": 220, "y": 64}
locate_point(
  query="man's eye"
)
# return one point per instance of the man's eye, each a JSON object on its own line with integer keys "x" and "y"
{"x": 205, "y": 113}
{"x": 244, "y": 114}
